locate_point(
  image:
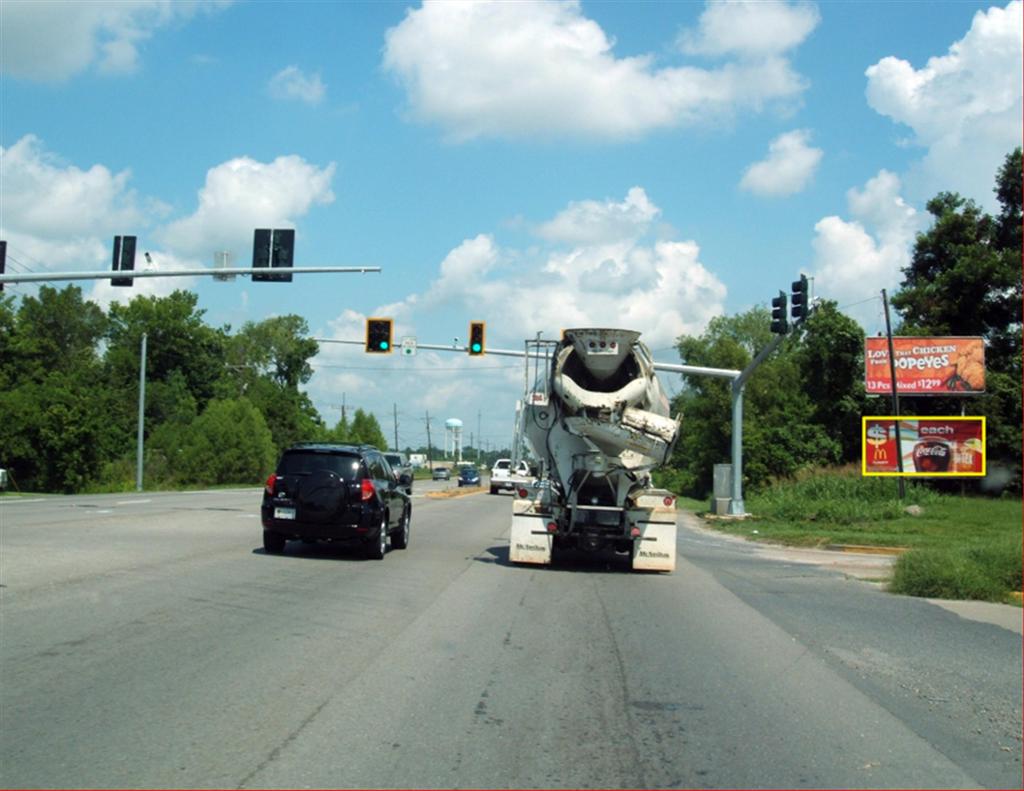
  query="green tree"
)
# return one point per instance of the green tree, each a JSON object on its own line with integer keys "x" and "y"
{"x": 365, "y": 430}
{"x": 228, "y": 443}
{"x": 965, "y": 279}
{"x": 779, "y": 432}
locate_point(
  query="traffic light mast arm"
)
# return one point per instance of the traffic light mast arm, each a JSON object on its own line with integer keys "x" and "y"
{"x": 45, "y": 277}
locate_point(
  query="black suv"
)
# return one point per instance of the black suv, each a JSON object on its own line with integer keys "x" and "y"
{"x": 322, "y": 492}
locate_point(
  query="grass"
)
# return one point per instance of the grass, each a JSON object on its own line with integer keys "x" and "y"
{"x": 958, "y": 547}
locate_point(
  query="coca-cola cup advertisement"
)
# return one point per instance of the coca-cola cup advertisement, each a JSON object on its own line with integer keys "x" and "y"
{"x": 929, "y": 446}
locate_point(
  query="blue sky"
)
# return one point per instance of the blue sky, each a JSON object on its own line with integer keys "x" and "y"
{"x": 534, "y": 165}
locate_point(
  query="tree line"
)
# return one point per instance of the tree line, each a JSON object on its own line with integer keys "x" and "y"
{"x": 803, "y": 406}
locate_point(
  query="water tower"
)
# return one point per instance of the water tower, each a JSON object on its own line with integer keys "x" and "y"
{"x": 453, "y": 438}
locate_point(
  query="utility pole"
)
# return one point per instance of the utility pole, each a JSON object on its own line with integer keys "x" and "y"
{"x": 394, "y": 406}
{"x": 142, "y": 412}
{"x": 895, "y": 398}
{"x": 430, "y": 449}
{"x": 478, "y": 436}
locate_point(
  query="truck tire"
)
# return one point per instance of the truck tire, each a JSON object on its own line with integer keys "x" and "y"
{"x": 494, "y": 490}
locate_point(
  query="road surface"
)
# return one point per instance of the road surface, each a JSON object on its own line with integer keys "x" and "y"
{"x": 147, "y": 641}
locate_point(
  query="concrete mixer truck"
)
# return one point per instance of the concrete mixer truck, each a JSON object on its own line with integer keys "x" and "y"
{"x": 595, "y": 417}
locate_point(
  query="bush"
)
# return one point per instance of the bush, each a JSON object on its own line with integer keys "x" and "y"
{"x": 985, "y": 572}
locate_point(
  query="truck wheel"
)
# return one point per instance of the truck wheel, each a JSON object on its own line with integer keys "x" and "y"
{"x": 273, "y": 543}
{"x": 400, "y": 540}
{"x": 494, "y": 490}
{"x": 377, "y": 546}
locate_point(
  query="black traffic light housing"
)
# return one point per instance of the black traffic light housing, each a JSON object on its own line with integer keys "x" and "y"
{"x": 779, "y": 324}
{"x": 477, "y": 331}
{"x": 273, "y": 249}
{"x": 378, "y": 336}
{"x": 123, "y": 260}
{"x": 800, "y": 304}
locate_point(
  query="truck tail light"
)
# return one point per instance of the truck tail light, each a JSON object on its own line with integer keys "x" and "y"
{"x": 552, "y": 527}
{"x": 268, "y": 487}
{"x": 366, "y": 490}
{"x": 523, "y": 493}
{"x": 668, "y": 501}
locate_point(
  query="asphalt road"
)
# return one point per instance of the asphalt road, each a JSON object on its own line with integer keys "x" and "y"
{"x": 147, "y": 641}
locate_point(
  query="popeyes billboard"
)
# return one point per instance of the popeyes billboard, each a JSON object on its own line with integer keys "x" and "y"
{"x": 925, "y": 366}
{"x": 929, "y": 446}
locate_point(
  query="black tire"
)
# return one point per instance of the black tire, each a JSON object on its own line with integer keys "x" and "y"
{"x": 377, "y": 546}
{"x": 400, "y": 540}
{"x": 273, "y": 543}
{"x": 494, "y": 490}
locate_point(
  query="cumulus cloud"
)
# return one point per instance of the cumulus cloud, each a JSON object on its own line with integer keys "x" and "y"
{"x": 751, "y": 29}
{"x": 789, "y": 167}
{"x": 590, "y": 222}
{"x": 57, "y": 39}
{"x": 542, "y": 68}
{"x": 242, "y": 194}
{"x": 292, "y": 83}
{"x": 60, "y": 217}
{"x": 964, "y": 107}
{"x": 855, "y": 259}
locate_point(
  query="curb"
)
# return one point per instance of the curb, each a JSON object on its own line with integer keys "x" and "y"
{"x": 452, "y": 493}
{"x": 865, "y": 549}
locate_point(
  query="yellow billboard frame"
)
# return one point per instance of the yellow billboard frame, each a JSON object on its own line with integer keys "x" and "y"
{"x": 914, "y": 474}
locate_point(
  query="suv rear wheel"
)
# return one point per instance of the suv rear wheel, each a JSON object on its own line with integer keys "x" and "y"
{"x": 273, "y": 543}
{"x": 400, "y": 540}
{"x": 378, "y": 546}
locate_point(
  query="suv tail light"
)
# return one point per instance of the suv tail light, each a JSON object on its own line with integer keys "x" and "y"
{"x": 268, "y": 487}
{"x": 366, "y": 490}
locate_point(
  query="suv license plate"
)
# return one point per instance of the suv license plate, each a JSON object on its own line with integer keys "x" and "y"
{"x": 284, "y": 513}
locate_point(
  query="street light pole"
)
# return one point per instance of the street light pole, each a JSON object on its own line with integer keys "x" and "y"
{"x": 142, "y": 410}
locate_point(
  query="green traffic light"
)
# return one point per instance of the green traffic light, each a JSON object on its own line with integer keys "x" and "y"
{"x": 384, "y": 346}
{"x": 476, "y": 347}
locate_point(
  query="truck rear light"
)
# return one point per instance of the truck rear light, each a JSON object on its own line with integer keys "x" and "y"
{"x": 268, "y": 487}
{"x": 552, "y": 527}
{"x": 523, "y": 493}
{"x": 635, "y": 532}
{"x": 366, "y": 490}
{"x": 668, "y": 501}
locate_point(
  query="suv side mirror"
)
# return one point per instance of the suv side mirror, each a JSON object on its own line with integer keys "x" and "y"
{"x": 404, "y": 479}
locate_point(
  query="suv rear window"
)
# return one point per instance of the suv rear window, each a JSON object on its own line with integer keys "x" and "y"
{"x": 504, "y": 464}
{"x": 306, "y": 462}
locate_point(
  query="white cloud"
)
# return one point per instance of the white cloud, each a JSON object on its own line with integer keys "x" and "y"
{"x": 855, "y": 259}
{"x": 591, "y": 222}
{"x": 750, "y": 29}
{"x": 541, "y": 68}
{"x": 57, "y": 39}
{"x": 242, "y": 194}
{"x": 58, "y": 217}
{"x": 292, "y": 83}
{"x": 789, "y": 168}
{"x": 965, "y": 107}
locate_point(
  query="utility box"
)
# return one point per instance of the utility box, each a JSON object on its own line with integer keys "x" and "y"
{"x": 722, "y": 489}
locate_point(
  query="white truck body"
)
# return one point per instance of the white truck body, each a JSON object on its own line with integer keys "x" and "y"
{"x": 599, "y": 421}
{"x": 507, "y": 477}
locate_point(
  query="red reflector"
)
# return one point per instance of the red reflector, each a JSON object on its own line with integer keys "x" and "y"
{"x": 668, "y": 500}
{"x": 523, "y": 493}
{"x": 635, "y": 532}
{"x": 269, "y": 485}
{"x": 552, "y": 527}
{"x": 366, "y": 490}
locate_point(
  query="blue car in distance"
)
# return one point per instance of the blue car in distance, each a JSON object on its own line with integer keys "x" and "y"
{"x": 469, "y": 476}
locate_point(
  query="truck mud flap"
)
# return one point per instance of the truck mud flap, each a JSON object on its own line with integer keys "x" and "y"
{"x": 655, "y": 549}
{"x": 529, "y": 540}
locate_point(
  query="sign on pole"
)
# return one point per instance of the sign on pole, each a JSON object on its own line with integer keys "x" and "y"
{"x": 408, "y": 346}
{"x": 925, "y": 366}
{"x": 930, "y": 446}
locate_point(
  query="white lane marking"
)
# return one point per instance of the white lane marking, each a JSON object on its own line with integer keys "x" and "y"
{"x": 132, "y": 502}
{"x": 13, "y": 500}
{"x": 245, "y": 516}
{"x": 103, "y": 511}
